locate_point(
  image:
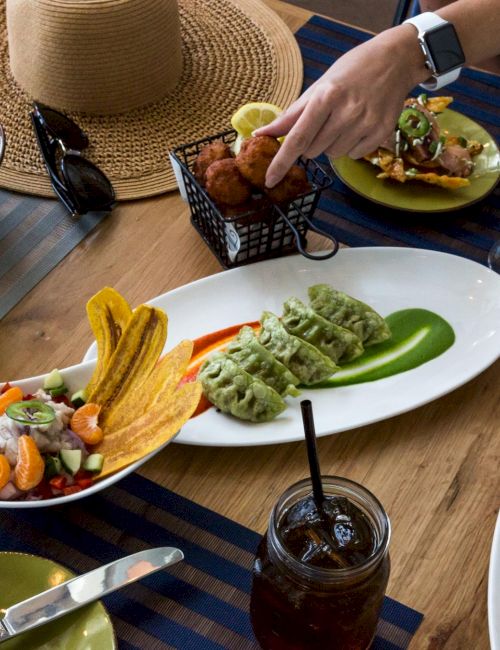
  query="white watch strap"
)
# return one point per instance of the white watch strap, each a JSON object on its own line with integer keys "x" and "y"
{"x": 424, "y": 22}
{"x": 442, "y": 80}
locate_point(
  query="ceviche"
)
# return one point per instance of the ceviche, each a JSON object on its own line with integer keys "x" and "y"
{"x": 55, "y": 444}
{"x": 46, "y": 441}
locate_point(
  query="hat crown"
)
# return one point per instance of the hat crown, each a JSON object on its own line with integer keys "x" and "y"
{"x": 95, "y": 56}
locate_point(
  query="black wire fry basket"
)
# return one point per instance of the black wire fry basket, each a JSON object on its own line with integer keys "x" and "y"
{"x": 268, "y": 230}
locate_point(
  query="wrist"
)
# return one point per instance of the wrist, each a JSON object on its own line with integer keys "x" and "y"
{"x": 406, "y": 47}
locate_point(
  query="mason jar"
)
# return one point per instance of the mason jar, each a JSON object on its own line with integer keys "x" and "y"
{"x": 319, "y": 580}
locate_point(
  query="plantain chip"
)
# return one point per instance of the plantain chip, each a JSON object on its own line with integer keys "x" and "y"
{"x": 108, "y": 313}
{"x": 135, "y": 356}
{"x": 154, "y": 428}
{"x": 162, "y": 381}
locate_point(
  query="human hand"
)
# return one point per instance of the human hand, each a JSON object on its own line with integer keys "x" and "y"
{"x": 354, "y": 106}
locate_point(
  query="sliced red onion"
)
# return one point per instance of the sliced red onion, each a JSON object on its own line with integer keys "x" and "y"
{"x": 10, "y": 492}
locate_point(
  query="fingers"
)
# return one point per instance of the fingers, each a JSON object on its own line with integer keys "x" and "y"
{"x": 371, "y": 141}
{"x": 282, "y": 124}
{"x": 298, "y": 140}
{"x": 364, "y": 147}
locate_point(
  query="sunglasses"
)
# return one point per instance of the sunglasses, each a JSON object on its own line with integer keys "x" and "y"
{"x": 2, "y": 143}
{"x": 79, "y": 184}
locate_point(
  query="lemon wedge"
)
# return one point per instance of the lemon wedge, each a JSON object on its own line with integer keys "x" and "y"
{"x": 252, "y": 116}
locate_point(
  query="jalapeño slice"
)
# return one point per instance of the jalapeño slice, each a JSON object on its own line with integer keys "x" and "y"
{"x": 413, "y": 123}
{"x": 31, "y": 412}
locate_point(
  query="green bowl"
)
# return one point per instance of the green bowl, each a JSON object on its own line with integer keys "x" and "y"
{"x": 89, "y": 628}
{"x": 415, "y": 196}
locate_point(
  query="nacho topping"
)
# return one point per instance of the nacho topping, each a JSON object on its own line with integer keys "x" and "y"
{"x": 419, "y": 150}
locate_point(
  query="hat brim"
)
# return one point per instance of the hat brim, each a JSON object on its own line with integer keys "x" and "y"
{"x": 235, "y": 51}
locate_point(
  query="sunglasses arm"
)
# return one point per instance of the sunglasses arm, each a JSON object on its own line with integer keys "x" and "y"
{"x": 50, "y": 164}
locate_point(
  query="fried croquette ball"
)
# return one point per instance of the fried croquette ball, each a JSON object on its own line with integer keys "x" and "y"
{"x": 225, "y": 184}
{"x": 255, "y": 157}
{"x": 217, "y": 150}
{"x": 293, "y": 184}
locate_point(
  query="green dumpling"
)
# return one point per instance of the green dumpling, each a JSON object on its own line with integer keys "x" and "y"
{"x": 249, "y": 354}
{"x": 339, "y": 308}
{"x": 233, "y": 390}
{"x": 303, "y": 359}
{"x": 338, "y": 343}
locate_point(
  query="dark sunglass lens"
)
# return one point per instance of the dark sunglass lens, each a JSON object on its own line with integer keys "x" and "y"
{"x": 88, "y": 183}
{"x": 63, "y": 128}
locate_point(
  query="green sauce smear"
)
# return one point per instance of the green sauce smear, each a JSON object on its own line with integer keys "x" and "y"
{"x": 418, "y": 335}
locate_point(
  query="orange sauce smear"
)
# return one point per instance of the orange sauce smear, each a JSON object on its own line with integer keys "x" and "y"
{"x": 202, "y": 348}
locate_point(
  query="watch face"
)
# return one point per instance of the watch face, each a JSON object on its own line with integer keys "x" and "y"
{"x": 444, "y": 48}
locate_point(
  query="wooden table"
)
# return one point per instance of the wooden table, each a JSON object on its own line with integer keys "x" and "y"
{"x": 435, "y": 469}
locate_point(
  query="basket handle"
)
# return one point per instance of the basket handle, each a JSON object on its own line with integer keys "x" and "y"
{"x": 299, "y": 239}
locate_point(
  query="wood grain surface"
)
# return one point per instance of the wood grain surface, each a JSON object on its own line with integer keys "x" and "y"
{"x": 435, "y": 469}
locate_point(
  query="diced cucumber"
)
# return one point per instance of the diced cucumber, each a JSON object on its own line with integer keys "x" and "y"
{"x": 79, "y": 398}
{"x": 53, "y": 466}
{"x": 71, "y": 460}
{"x": 60, "y": 390}
{"x": 53, "y": 380}
{"x": 94, "y": 463}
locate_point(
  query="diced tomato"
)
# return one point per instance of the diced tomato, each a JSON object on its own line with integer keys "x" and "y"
{"x": 83, "y": 474}
{"x": 58, "y": 482}
{"x": 28, "y": 396}
{"x": 43, "y": 490}
{"x": 71, "y": 489}
{"x": 84, "y": 482}
{"x": 5, "y": 388}
{"x": 62, "y": 398}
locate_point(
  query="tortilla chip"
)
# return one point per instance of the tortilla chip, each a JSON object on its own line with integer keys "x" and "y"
{"x": 154, "y": 428}
{"x": 394, "y": 170}
{"x": 385, "y": 158}
{"x": 437, "y": 104}
{"x": 448, "y": 182}
{"x": 160, "y": 384}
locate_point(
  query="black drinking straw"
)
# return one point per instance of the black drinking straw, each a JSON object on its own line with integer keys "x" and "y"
{"x": 312, "y": 453}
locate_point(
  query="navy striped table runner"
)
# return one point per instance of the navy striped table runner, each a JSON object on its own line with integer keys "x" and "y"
{"x": 35, "y": 235}
{"x": 201, "y": 603}
{"x": 357, "y": 222}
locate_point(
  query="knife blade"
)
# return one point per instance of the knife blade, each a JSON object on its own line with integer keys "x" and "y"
{"x": 81, "y": 590}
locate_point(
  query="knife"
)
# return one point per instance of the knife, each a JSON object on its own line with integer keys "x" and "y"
{"x": 77, "y": 592}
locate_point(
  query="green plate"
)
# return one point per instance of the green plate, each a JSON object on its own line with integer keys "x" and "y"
{"x": 89, "y": 628}
{"x": 415, "y": 196}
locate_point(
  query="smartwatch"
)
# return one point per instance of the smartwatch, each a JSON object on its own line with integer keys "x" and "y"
{"x": 444, "y": 56}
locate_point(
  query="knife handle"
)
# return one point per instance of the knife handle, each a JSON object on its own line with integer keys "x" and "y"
{"x": 4, "y": 633}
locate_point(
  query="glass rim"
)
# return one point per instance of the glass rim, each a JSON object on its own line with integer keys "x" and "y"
{"x": 368, "y": 503}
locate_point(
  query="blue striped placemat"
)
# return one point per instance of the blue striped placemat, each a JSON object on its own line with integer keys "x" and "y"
{"x": 35, "y": 235}
{"x": 355, "y": 221}
{"x": 201, "y": 603}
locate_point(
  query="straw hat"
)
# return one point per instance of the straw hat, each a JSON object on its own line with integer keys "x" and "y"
{"x": 139, "y": 76}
